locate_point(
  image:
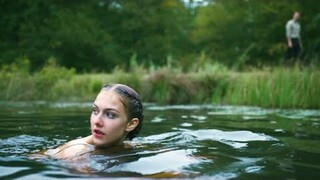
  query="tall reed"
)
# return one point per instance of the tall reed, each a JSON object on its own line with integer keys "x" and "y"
{"x": 280, "y": 87}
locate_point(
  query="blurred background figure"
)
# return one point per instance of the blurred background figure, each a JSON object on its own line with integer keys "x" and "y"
{"x": 293, "y": 29}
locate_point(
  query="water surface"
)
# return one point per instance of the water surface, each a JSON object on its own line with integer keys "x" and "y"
{"x": 203, "y": 141}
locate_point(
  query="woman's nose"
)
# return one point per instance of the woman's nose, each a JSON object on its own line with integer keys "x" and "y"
{"x": 97, "y": 120}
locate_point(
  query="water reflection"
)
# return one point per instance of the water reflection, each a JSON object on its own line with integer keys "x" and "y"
{"x": 205, "y": 141}
{"x": 165, "y": 161}
{"x": 236, "y": 139}
{"x": 174, "y": 152}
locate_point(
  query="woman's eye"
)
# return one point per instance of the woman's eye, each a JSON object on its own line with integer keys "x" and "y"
{"x": 110, "y": 115}
{"x": 95, "y": 111}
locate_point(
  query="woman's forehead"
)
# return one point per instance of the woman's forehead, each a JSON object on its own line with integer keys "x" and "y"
{"x": 109, "y": 99}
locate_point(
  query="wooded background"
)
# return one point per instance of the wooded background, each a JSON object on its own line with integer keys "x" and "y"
{"x": 99, "y": 35}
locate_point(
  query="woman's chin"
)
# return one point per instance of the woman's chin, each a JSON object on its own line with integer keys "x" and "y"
{"x": 99, "y": 142}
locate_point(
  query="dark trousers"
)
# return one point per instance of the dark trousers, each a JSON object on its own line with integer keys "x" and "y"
{"x": 294, "y": 51}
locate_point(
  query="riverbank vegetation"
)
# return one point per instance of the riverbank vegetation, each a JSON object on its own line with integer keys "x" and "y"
{"x": 171, "y": 51}
{"x": 293, "y": 87}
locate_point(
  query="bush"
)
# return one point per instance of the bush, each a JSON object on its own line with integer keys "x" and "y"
{"x": 19, "y": 84}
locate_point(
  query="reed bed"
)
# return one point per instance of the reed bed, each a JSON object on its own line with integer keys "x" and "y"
{"x": 295, "y": 87}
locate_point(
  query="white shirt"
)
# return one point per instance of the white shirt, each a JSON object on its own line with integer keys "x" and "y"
{"x": 293, "y": 29}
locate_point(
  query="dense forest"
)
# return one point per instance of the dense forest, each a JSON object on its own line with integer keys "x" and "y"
{"x": 99, "y": 35}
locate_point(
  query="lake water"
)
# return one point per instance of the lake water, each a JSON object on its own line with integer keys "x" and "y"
{"x": 203, "y": 141}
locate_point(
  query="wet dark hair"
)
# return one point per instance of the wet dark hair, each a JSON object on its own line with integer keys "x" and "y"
{"x": 132, "y": 103}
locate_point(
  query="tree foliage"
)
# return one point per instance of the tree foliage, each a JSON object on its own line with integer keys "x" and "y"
{"x": 99, "y": 35}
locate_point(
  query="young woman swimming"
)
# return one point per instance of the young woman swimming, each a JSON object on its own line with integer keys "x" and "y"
{"x": 117, "y": 115}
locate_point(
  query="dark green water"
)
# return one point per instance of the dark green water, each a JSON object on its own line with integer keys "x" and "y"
{"x": 207, "y": 141}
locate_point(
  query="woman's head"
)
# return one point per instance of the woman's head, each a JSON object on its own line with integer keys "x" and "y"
{"x": 132, "y": 103}
{"x": 117, "y": 115}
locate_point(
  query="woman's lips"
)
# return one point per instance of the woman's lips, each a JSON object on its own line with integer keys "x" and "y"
{"x": 98, "y": 134}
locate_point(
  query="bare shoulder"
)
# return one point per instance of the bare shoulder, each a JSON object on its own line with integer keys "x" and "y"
{"x": 71, "y": 149}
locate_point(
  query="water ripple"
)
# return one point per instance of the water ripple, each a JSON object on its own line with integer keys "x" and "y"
{"x": 236, "y": 139}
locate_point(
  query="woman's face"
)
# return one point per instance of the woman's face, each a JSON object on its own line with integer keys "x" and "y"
{"x": 109, "y": 120}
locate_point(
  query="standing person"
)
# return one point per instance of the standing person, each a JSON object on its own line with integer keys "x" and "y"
{"x": 293, "y": 29}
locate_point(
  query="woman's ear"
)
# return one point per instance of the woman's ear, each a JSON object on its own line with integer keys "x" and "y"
{"x": 132, "y": 124}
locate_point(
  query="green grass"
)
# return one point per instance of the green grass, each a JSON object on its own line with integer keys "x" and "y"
{"x": 280, "y": 87}
{"x": 294, "y": 87}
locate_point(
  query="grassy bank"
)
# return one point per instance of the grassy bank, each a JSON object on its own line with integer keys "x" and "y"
{"x": 294, "y": 87}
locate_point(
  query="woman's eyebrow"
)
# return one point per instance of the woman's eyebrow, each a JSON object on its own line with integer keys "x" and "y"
{"x": 106, "y": 109}
{"x": 111, "y": 109}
